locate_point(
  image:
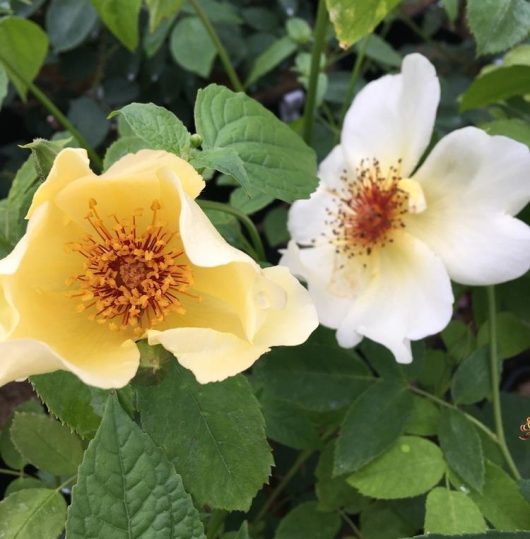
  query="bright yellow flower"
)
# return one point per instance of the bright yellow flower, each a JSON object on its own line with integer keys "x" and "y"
{"x": 108, "y": 260}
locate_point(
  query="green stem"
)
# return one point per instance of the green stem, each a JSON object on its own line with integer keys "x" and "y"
{"x": 350, "y": 91}
{"x": 297, "y": 464}
{"x": 245, "y": 221}
{"x": 441, "y": 402}
{"x": 215, "y": 523}
{"x": 223, "y": 55}
{"x": 495, "y": 384}
{"x": 65, "y": 483}
{"x": 351, "y": 524}
{"x": 43, "y": 99}
{"x": 321, "y": 26}
{"x": 6, "y": 471}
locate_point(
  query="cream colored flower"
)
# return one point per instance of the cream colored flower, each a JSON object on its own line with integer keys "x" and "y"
{"x": 111, "y": 259}
{"x": 379, "y": 239}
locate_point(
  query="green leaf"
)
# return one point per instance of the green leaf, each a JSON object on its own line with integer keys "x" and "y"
{"x": 491, "y": 534}
{"x": 354, "y": 20}
{"x": 514, "y": 128}
{"x": 9, "y": 453}
{"x": 300, "y": 375}
{"x": 458, "y": 339}
{"x": 381, "y": 521}
{"x": 160, "y": 10}
{"x": 274, "y": 55}
{"x": 513, "y": 335}
{"x": 191, "y": 46}
{"x": 372, "y": 424}
{"x": 4, "y": 81}
{"x": 86, "y": 114}
{"x": 498, "y": 24}
{"x": 472, "y": 380}
{"x": 409, "y": 468}
{"x": 334, "y": 492}
{"x": 288, "y": 424}
{"x": 298, "y": 30}
{"x": 69, "y": 23}
{"x": 44, "y": 153}
{"x": 138, "y": 492}
{"x": 32, "y": 513}
{"x": 23, "y": 49}
{"x": 225, "y": 161}
{"x": 451, "y": 8}
{"x": 497, "y": 85}
{"x": 249, "y": 204}
{"x": 122, "y": 147}
{"x": 507, "y": 511}
{"x": 22, "y": 483}
{"x": 121, "y": 18}
{"x": 306, "y": 522}
{"x": 275, "y": 226}
{"x": 462, "y": 447}
{"x": 379, "y": 50}
{"x": 276, "y": 159}
{"x": 159, "y": 128}
{"x": 214, "y": 434}
{"x": 70, "y": 400}
{"x": 450, "y": 512}
{"x": 46, "y": 444}
{"x": 424, "y": 417}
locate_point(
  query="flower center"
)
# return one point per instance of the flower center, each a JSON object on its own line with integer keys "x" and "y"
{"x": 129, "y": 278}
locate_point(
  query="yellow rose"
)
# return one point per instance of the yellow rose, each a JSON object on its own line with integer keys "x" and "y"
{"x": 108, "y": 260}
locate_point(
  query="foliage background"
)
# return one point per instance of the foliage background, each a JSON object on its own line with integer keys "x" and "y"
{"x": 362, "y": 447}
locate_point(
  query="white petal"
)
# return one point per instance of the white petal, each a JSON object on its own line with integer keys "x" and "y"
{"x": 392, "y": 118}
{"x": 471, "y": 181}
{"x": 211, "y": 355}
{"x": 408, "y": 297}
{"x": 331, "y": 309}
{"x": 333, "y": 168}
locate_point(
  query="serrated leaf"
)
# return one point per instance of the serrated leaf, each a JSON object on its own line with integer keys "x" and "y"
{"x": 314, "y": 376}
{"x": 334, "y": 492}
{"x": 409, "y": 468}
{"x": 372, "y": 424}
{"x": 472, "y": 379}
{"x": 44, "y": 153}
{"x": 121, "y": 18}
{"x": 306, "y": 522}
{"x": 214, "y": 434}
{"x": 70, "y": 400}
{"x": 354, "y": 20}
{"x": 424, "y": 417}
{"x": 276, "y": 159}
{"x": 274, "y": 55}
{"x": 497, "y": 85}
{"x": 507, "y": 512}
{"x": 462, "y": 447}
{"x": 4, "y": 80}
{"x": 498, "y": 24}
{"x": 249, "y": 204}
{"x": 122, "y": 147}
{"x": 513, "y": 335}
{"x": 491, "y": 534}
{"x": 23, "y": 49}
{"x": 450, "y": 512}
{"x": 159, "y": 128}
{"x": 458, "y": 339}
{"x": 514, "y": 128}
{"x": 46, "y": 444}
{"x": 382, "y": 521}
{"x": 225, "y": 161}
{"x": 127, "y": 488}
{"x": 32, "y": 513}
{"x": 69, "y": 23}
{"x": 160, "y": 10}
{"x": 191, "y": 46}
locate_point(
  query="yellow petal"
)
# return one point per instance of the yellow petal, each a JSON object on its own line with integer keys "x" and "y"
{"x": 211, "y": 355}
{"x": 69, "y": 165}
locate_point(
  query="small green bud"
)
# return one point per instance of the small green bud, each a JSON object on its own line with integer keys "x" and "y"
{"x": 196, "y": 140}
{"x": 299, "y": 31}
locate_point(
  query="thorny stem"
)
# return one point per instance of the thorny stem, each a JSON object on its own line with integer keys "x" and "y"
{"x": 495, "y": 384}
{"x": 223, "y": 55}
{"x": 43, "y": 99}
{"x": 245, "y": 221}
{"x": 321, "y": 26}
